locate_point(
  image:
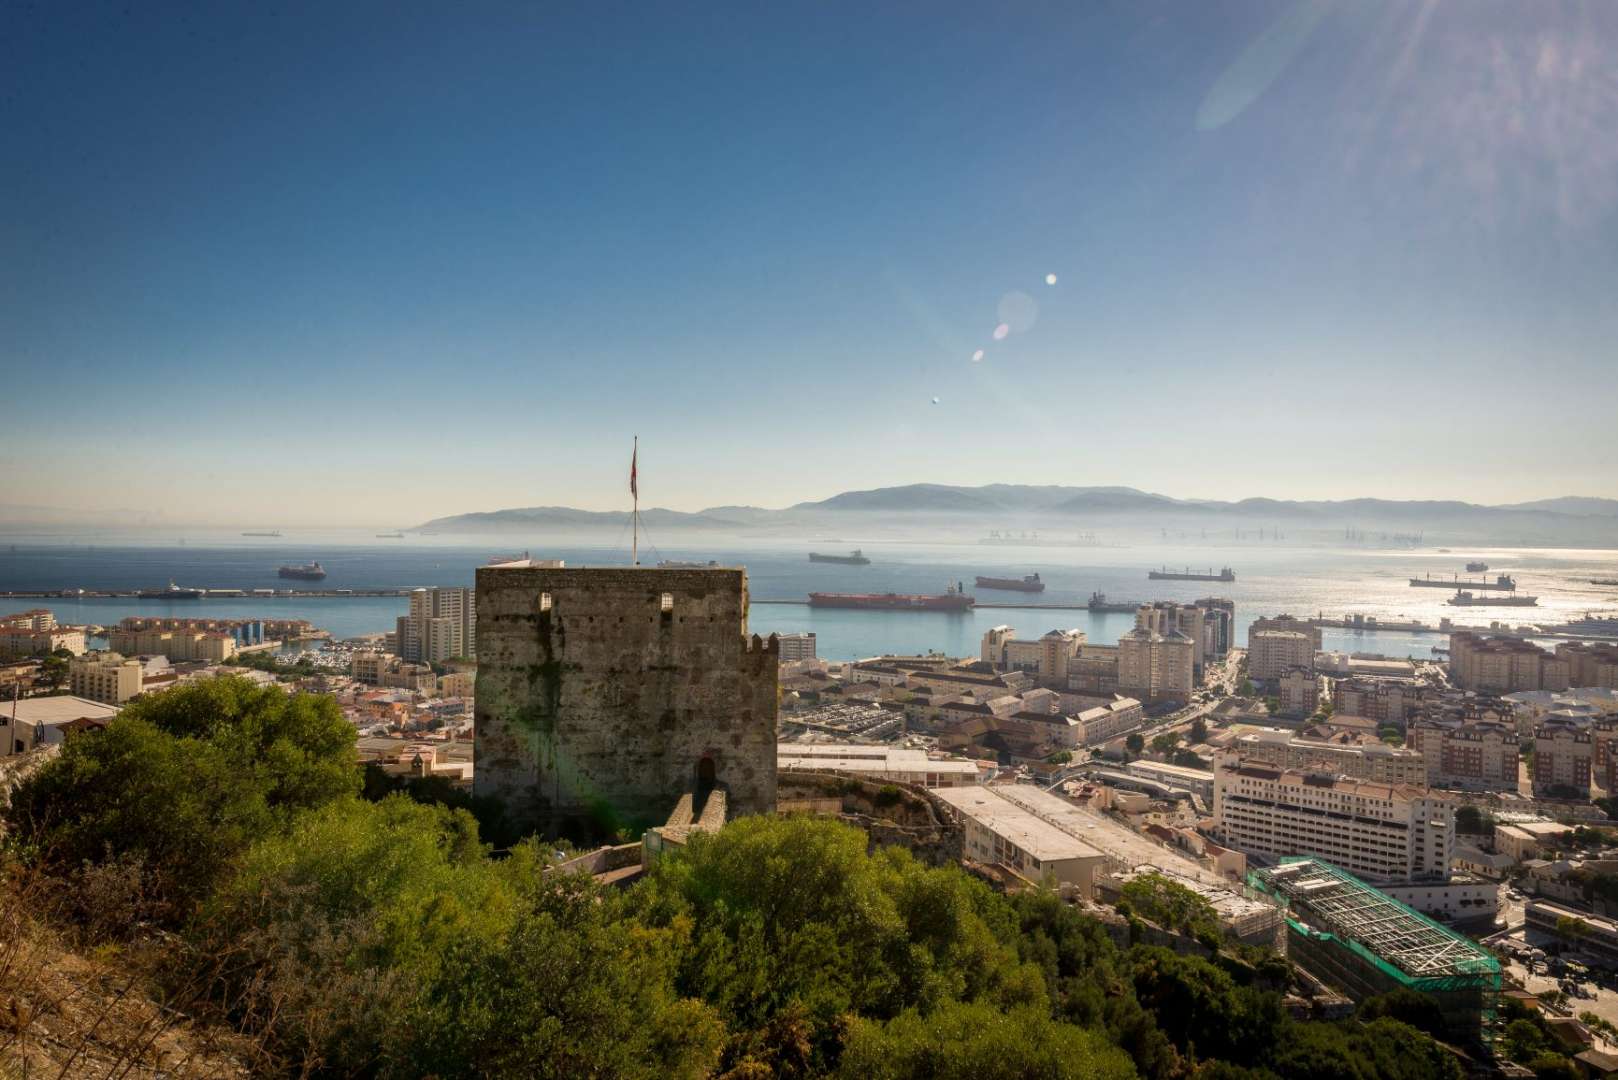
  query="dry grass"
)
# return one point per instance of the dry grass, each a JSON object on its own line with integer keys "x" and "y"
{"x": 88, "y": 1012}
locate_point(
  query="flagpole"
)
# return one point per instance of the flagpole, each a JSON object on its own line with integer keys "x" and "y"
{"x": 634, "y": 514}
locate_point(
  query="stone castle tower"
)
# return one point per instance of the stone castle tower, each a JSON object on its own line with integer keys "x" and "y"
{"x": 603, "y": 695}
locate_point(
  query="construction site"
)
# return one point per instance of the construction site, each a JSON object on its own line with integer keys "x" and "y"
{"x": 1366, "y": 943}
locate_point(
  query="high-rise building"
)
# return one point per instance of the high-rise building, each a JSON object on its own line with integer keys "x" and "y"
{"x": 1156, "y": 667}
{"x": 1563, "y": 751}
{"x": 1271, "y": 653}
{"x": 1387, "y": 701}
{"x": 1287, "y": 622}
{"x": 442, "y": 624}
{"x": 1589, "y": 663}
{"x": 1208, "y": 623}
{"x": 1379, "y": 831}
{"x": 612, "y": 697}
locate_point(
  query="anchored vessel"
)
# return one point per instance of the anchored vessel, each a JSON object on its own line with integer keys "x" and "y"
{"x": 1463, "y": 598}
{"x": 173, "y": 592}
{"x": 1476, "y": 567}
{"x": 1029, "y": 583}
{"x": 390, "y": 536}
{"x": 304, "y": 572}
{"x": 1504, "y": 582}
{"x": 1604, "y": 581}
{"x": 953, "y": 600}
{"x": 1165, "y": 574}
{"x": 676, "y": 564}
{"x": 261, "y": 534}
{"x": 853, "y": 558}
{"x": 1099, "y": 602}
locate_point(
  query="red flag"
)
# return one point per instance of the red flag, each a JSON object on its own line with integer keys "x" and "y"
{"x": 633, "y": 490}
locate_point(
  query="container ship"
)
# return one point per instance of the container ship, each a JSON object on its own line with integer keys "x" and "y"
{"x": 1465, "y": 599}
{"x": 953, "y": 600}
{"x": 304, "y": 572}
{"x": 173, "y": 592}
{"x": 1165, "y": 574}
{"x": 1029, "y": 583}
{"x": 1504, "y": 582}
{"x": 1476, "y": 567}
{"x": 1099, "y": 602}
{"x": 853, "y": 558}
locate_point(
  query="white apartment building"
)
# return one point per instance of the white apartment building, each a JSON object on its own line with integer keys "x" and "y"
{"x": 795, "y": 647}
{"x": 106, "y": 677}
{"x": 1377, "y": 831}
{"x": 1298, "y": 691}
{"x": 1371, "y": 759}
{"x": 1270, "y": 653}
{"x": 1103, "y": 722}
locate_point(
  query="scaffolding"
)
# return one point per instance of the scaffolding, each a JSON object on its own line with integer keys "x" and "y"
{"x": 1367, "y": 943}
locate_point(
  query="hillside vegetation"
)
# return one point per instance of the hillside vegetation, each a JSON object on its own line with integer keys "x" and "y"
{"x": 214, "y": 847}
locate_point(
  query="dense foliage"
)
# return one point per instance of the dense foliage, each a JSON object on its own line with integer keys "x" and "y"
{"x": 354, "y": 936}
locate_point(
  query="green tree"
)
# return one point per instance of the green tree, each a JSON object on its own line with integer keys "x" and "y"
{"x": 1199, "y": 731}
{"x": 176, "y": 810}
{"x": 1407, "y": 1006}
{"x": 1165, "y": 743}
{"x": 53, "y": 670}
{"x": 969, "y": 1042}
{"x": 1135, "y": 742}
{"x": 1473, "y": 820}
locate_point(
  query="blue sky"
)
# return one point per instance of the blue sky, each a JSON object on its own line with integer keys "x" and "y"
{"x": 380, "y": 262}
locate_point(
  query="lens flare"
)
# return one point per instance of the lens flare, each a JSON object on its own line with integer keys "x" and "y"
{"x": 1001, "y": 331}
{"x": 1050, "y": 279}
{"x": 977, "y": 357}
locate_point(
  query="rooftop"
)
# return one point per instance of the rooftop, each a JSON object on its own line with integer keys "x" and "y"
{"x": 1396, "y": 937}
{"x": 56, "y": 710}
{"x": 1037, "y": 822}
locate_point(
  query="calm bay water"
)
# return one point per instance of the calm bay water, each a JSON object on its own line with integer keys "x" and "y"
{"x": 1271, "y": 579}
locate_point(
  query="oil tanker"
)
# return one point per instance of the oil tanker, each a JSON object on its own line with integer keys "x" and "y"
{"x": 853, "y": 558}
{"x": 953, "y": 600}
{"x": 1165, "y": 574}
{"x": 304, "y": 572}
{"x": 1504, "y": 582}
{"x": 1099, "y": 602}
{"x": 1463, "y": 598}
{"x": 1028, "y": 583}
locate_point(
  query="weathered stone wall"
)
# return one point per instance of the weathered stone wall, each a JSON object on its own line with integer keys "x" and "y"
{"x": 599, "y": 708}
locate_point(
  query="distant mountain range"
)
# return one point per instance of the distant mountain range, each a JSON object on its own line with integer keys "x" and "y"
{"x": 1575, "y": 518}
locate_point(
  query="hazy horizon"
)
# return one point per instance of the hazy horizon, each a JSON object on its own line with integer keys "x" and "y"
{"x": 363, "y": 266}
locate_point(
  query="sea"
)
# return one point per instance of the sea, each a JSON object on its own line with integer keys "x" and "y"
{"x": 1271, "y": 578}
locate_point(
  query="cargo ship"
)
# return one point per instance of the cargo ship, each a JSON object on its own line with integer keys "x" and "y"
{"x": 173, "y": 592}
{"x": 1604, "y": 581}
{"x": 1028, "y": 583}
{"x": 1165, "y": 574}
{"x": 953, "y": 600}
{"x": 390, "y": 536}
{"x": 853, "y": 558}
{"x": 1463, "y": 598}
{"x": 261, "y": 534}
{"x": 1099, "y": 602}
{"x": 1476, "y": 567}
{"x": 304, "y": 572}
{"x": 1504, "y": 582}
{"x": 677, "y": 564}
